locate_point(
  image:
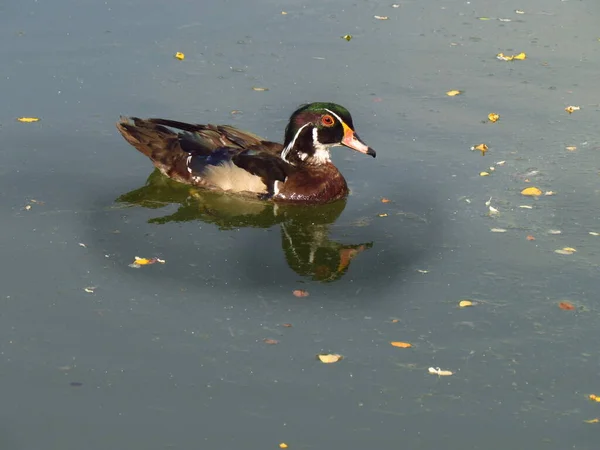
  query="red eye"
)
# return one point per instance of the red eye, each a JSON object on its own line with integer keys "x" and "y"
{"x": 327, "y": 120}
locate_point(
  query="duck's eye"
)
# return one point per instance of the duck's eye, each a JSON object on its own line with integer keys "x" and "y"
{"x": 327, "y": 120}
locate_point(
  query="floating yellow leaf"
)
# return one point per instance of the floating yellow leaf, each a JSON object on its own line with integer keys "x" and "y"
{"x": 381, "y": 17}
{"x": 572, "y": 109}
{"x": 283, "y": 13}
{"x": 465, "y": 303}
{"x": 329, "y": 358}
{"x": 28, "y": 119}
{"x": 481, "y": 147}
{"x": 347, "y": 37}
{"x": 594, "y": 233}
{"x": 571, "y": 148}
{"x": 594, "y": 397}
{"x": 484, "y": 174}
{"x": 498, "y": 230}
{"x": 401, "y": 344}
{"x": 521, "y": 56}
{"x": 518, "y": 11}
{"x": 139, "y": 262}
{"x": 484, "y": 18}
{"x": 596, "y": 420}
{"x": 453, "y": 93}
{"x": 493, "y": 117}
{"x": 531, "y": 192}
{"x": 382, "y": 215}
{"x": 385, "y": 200}
{"x": 90, "y": 289}
{"x": 440, "y": 372}
{"x": 259, "y": 89}
{"x": 180, "y": 56}
{"x": 565, "y": 251}
{"x": 501, "y": 56}
{"x": 283, "y": 445}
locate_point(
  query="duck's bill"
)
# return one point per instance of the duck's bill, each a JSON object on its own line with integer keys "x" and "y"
{"x": 351, "y": 140}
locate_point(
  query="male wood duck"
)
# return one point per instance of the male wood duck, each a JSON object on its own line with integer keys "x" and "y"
{"x": 221, "y": 157}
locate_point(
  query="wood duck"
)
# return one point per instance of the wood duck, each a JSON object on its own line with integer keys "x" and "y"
{"x": 223, "y": 158}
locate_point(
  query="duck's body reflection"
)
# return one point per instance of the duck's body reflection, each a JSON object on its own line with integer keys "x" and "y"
{"x": 304, "y": 229}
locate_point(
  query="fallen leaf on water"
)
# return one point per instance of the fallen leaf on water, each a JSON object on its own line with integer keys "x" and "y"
{"x": 525, "y": 206}
{"x": 481, "y": 147}
{"x": 567, "y": 306}
{"x": 502, "y": 57}
{"x": 484, "y": 174}
{"x": 395, "y": 320}
{"x": 493, "y": 211}
{"x": 531, "y": 192}
{"x": 549, "y": 193}
{"x": 235, "y": 111}
{"x": 347, "y": 37}
{"x": 572, "y": 109}
{"x": 493, "y": 117}
{"x": 329, "y": 358}
{"x": 596, "y": 420}
{"x": 422, "y": 271}
{"x": 571, "y": 148}
{"x": 453, "y": 93}
{"x": 283, "y": 13}
{"x": 385, "y": 200}
{"x": 271, "y": 341}
{"x": 382, "y": 215}
{"x": 500, "y": 163}
{"x": 259, "y": 89}
{"x": 401, "y": 344}
{"x": 530, "y": 238}
{"x": 381, "y": 17}
{"x": 90, "y": 289}
{"x": 139, "y": 262}
{"x": 565, "y": 251}
{"x": 180, "y": 56}
{"x": 395, "y": 5}
{"x": 465, "y": 303}
{"x": 27, "y": 207}
{"x": 498, "y": 230}
{"x": 286, "y": 325}
{"x": 300, "y": 293}
{"x": 554, "y": 232}
{"x": 518, "y": 11}
{"x": 440, "y": 372}
{"x": 28, "y": 119}
{"x": 283, "y": 445}
{"x": 593, "y": 233}
{"x": 594, "y": 397}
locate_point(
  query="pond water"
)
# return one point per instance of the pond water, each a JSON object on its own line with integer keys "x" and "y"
{"x": 96, "y": 354}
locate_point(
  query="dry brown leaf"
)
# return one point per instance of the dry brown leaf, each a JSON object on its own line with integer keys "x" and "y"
{"x": 531, "y": 192}
{"x": 329, "y": 358}
{"x": 530, "y": 238}
{"x": 385, "y": 200}
{"x": 300, "y": 293}
{"x": 348, "y": 37}
{"x": 286, "y": 325}
{"x": 400, "y": 344}
{"x": 271, "y": 341}
{"x": 395, "y": 320}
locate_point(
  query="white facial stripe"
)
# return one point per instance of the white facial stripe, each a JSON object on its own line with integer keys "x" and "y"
{"x": 336, "y": 116}
{"x": 286, "y": 150}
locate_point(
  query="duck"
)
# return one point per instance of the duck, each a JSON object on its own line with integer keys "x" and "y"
{"x": 224, "y": 158}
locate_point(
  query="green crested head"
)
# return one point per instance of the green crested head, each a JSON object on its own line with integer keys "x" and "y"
{"x": 314, "y": 128}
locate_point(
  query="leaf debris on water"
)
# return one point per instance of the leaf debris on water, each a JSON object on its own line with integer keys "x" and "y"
{"x": 283, "y": 445}
{"x": 385, "y": 200}
{"x": 480, "y": 147}
{"x": 439, "y": 372}
{"x": 525, "y": 206}
{"x": 595, "y": 420}
{"x": 531, "y": 192}
{"x": 498, "y": 230}
{"x": 567, "y": 306}
{"x": 90, "y": 289}
{"x": 493, "y": 211}
{"x": 270, "y": 341}
{"x": 382, "y": 215}
{"x": 400, "y": 344}
{"x": 518, "y": 11}
{"x": 300, "y": 293}
{"x": 571, "y": 148}
{"x": 594, "y": 397}
{"x": 593, "y": 233}
{"x": 453, "y": 93}
{"x": 348, "y": 37}
{"x": 139, "y": 262}
{"x": 530, "y": 237}
{"x": 502, "y": 57}
{"x": 484, "y": 174}
{"x": 28, "y": 119}
{"x": 381, "y": 17}
{"x": 329, "y": 358}
{"x": 572, "y": 109}
{"x": 180, "y": 56}
{"x": 493, "y": 117}
{"x": 465, "y": 303}
{"x": 565, "y": 251}
{"x": 259, "y": 89}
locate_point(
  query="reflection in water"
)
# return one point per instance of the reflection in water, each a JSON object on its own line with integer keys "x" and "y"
{"x": 304, "y": 228}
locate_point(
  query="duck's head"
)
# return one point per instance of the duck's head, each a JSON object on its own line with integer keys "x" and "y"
{"x": 316, "y": 127}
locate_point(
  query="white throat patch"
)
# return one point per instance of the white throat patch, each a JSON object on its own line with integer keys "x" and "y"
{"x": 322, "y": 154}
